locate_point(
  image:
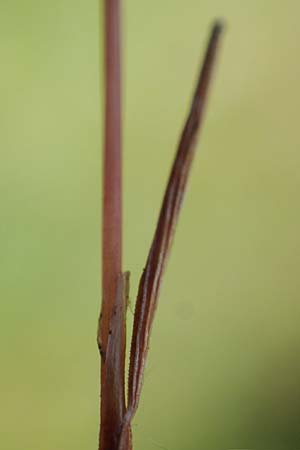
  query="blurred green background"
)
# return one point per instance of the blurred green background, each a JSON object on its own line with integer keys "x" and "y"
{"x": 224, "y": 369}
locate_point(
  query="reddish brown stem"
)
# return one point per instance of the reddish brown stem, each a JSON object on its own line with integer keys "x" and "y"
{"x": 112, "y": 362}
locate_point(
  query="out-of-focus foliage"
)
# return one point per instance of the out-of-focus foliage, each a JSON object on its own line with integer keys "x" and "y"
{"x": 224, "y": 365}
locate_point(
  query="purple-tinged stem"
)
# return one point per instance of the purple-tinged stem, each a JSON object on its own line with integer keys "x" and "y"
{"x": 110, "y": 340}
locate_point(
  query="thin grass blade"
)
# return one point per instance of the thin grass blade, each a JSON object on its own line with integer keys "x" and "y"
{"x": 152, "y": 276}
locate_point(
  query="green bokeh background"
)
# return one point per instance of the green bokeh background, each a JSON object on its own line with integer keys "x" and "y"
{"x": 224, "y": 370}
